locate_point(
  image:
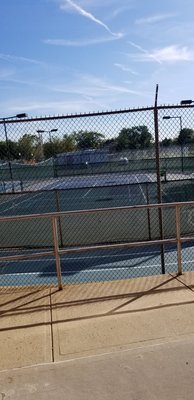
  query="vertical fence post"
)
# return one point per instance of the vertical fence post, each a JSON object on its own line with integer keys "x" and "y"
{"x": 157, "y": 151}
{"x": 58, "y": 208}
{"x": 178, "y": 238}
{"x": 8, "y": 155}
{"x": 148, "y": 210}
{"x": 56, "y": 252}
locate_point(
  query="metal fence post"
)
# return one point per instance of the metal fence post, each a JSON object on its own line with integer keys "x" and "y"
{"x": 56, "y": 252}
{"x": 148, "y": 210}
{"x": 58, "y": 208}
{"x": 178, "y": 238}
{"x": 159, "y": 193}
{"x": 8, "y": 155}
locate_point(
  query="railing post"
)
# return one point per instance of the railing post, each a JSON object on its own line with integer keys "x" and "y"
{"x": 58, "y": 208}
{"x": 178, "y": 238}
{"x": 56, "y": 251}
{"x": 159, "y": 192}
{"x": 148, "y": 211}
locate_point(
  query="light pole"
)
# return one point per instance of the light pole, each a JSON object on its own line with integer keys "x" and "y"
{"x": 47, "y": 131}
{"x": 41, "y": 144}
{"x": 4, "y": 119}
{"x": 181, "y": 127}
{"x": 40, "y": 132}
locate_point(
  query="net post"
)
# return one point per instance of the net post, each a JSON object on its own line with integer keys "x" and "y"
{"x": 56, "y": 252}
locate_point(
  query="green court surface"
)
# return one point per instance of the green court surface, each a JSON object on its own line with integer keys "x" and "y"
{"x": 62, "y": 195}
{"x": 178, "y": 191}
{"x": 75, "y": 199}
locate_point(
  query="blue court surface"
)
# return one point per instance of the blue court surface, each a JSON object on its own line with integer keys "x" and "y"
{"x": 106, "y": 265}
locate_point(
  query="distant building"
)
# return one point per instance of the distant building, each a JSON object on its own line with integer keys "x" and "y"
{"x": 90, "y": 156}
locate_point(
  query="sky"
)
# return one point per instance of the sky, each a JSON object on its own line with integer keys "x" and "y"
{"x": 75, "y": 56}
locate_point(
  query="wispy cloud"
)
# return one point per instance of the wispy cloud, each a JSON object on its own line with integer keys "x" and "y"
{"x": 154, "y": 18}
{"x": 119, "y": 11}
{"x": 88, "y": 15}
{"x": 94, "y": 87}
{"x": 167, "y": 54}
{"x": 81, "y": 42}
{"x": 11, "y": 58}
{"x": 5, "y": 74}
{"x": 125, "y": 68}
{"x": 80, "y": 94}
{"x": 147, "y": 54}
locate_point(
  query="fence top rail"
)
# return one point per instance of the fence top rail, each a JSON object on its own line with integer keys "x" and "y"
{"x": 95, "y": 211}
{"x": 96, "y": 113}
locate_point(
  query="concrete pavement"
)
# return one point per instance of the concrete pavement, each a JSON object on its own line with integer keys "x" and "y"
{"x": 124, "y": 339}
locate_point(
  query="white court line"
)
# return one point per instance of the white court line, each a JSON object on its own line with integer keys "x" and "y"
{"x": 129, "y": 268}
{"x": 7, "y": 201}
{"x": 88, "y": 191}
{"x": 71, "y": 271}
{"x": 89, "y": 257}
{"x": 84, "y": 258}
{"x": 21, "y": 202}
{"x": 141, "y": 188}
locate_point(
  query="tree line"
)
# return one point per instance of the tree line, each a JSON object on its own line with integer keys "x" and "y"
{"x": 32, "y": 147}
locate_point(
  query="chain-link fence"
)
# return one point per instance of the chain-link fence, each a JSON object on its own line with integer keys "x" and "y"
{"x": 90, "y": 162}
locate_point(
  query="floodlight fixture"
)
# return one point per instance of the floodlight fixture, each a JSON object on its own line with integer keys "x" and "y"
{"x": 186, "y": 102}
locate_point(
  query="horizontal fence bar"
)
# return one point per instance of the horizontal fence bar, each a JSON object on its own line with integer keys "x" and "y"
{"x": 27, "y": 256}
{"x": 95, "y": 210}
{"x": 97, "y": 113}
{"x": 81, "y": 115}
{"x": 93, "y": 248}
{"x": 187, "y": 238}
{"x": 87, "y": 248}
{"x": 58, "y": 252}
{"x": 116, "y": 246}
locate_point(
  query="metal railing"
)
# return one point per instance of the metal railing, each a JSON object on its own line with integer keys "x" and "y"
{"x": 57, "y": 251}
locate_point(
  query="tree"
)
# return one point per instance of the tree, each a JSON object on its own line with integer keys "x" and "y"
{"x": 88, "y": 139}
{"x": 69, "y": 143}
{"x": 27, "y": 145}
{"x": 137, "y": 137}
{"x": 110, "y": 144}
{"x": 9, "y": 150}
{"x": 56, "y": 146}
{"x": 3, "y": 151}
{"x": 185, "y": 135}
{"x": 167, "y": 142}
{"x": 145, "y": 137}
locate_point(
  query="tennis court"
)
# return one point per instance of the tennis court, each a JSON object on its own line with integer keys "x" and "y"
{"x": 94, "y": 267}
{"x": 91, "y": 192}
{"x": 87, "y": 192}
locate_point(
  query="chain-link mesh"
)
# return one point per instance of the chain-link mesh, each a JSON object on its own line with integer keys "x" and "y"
{"x": 94, "y": 161}
{"x": 176, "y": 136}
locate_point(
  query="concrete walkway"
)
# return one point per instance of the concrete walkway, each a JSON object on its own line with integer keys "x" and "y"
{"x": 117, "y": 340}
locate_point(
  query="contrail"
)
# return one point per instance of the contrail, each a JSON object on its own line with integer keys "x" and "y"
{"x": 145, "y": 52}
{"x": 88, "y": 15}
